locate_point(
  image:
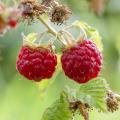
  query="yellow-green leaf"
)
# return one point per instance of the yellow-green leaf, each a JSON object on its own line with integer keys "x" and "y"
{"x": 94, "y": 93}
{"x": 59, "y": 110}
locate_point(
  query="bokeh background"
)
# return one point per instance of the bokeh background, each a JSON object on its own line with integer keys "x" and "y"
{"x": 21, "y": 99}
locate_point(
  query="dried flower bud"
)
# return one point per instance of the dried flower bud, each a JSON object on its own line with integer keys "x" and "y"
{"x": 112, "y": 102}
{"x": 60, "y": 13}
{"x": 83, "y": 108}
{"x": 31, "y": 8}
{"x": 50, "y": 3}
{"x": 24, "y": 1}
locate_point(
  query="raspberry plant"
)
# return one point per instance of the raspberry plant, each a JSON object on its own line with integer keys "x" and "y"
{"x": 81, "y": 58}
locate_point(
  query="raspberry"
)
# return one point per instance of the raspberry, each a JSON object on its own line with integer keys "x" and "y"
{"x": 12, "y": 23}
{"x": 82, "y": 62}
{"x": 36, "y": 63}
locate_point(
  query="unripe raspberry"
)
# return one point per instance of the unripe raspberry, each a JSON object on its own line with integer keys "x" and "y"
{"x": 36, "y": 63}
{"x": 82, "y": 62}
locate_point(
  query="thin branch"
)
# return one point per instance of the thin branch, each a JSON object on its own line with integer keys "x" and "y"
{"x": 51, "y": 30}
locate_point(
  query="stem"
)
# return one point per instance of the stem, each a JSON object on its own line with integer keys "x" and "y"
{"x": 84, "y": 32}
{"x": 51, "y": 30}
{"x": 68, "y": 27}
{"x": 69, "y": 34}
{"x": 68, "y": 37}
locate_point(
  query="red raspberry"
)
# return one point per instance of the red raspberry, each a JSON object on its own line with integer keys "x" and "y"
{"x": 82, "y": 62}
{"x": 36, "y": 63}
{"x": 12, "y": 23}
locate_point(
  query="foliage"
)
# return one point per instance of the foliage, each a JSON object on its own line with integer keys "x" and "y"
{"x": 59, "y": 110}
{"x": 93, "y": 93}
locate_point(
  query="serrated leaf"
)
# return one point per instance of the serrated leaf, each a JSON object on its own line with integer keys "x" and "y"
{"x": 92, "y": 32}
{"x": 94, "y": 93}
{"x": 59, "y": 110}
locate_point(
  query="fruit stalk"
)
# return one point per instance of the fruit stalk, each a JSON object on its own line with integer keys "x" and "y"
{"x": 52, "y": 30}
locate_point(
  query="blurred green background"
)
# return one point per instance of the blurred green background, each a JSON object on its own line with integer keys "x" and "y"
{"x": 21, "y": 99}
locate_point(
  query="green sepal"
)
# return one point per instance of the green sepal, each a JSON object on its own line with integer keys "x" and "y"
{"x": 31, "y": 37}
{"x": 92, "y": 33}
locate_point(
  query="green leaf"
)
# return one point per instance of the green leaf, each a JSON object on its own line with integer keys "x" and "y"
{"x": 94, "y": 93}
{"x": 59, "y": 110}
{"x": 92, "y": 32}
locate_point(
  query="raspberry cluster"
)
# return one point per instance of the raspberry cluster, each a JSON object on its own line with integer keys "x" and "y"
{"x": 81, "y": 62}
{"x": 36, "y": 63}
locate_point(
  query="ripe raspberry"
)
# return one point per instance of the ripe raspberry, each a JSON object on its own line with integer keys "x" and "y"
{"x": 82, "y": 62}
{"x": 36, "y": 63}
{"x": 12, "y": 23}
